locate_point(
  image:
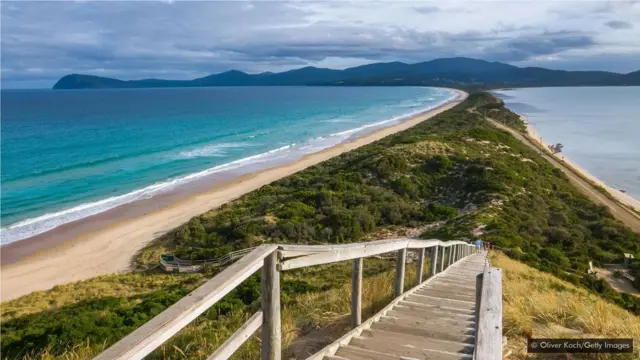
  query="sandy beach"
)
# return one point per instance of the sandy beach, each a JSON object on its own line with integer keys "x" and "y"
{"x": 617, "y": 194}
{"x": 110, "y": 249}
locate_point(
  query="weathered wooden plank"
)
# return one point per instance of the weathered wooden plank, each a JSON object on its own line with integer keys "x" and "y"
{"x": 149, "y": 336}
{"x": 400, "y": 265}
{"x": 417, "y": 244}
{"x": 295, "y": 253}
{"x": 271, "y": 326}
{"x": 356, "y": 293}
{"x": 323, "y": 254}
{"x": 420, "y": 266}
{"x": 238, "y": 338}
{"x": 345, "y": 253}
{"x": 489, "y": 332}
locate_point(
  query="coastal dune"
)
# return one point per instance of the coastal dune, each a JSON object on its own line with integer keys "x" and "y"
{"x": 111, "y": 248}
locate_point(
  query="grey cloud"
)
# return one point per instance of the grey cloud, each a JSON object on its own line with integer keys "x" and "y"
{"x": 623, "y": 62}
{"x": 526, "y": 47}
{"x": 619, "y": 24}
{"x": 427, "y": 9}
{"x": 182, "y": 40}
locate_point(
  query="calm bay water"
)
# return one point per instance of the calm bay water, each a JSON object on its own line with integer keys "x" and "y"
{"x": 598, "y": 126}
{"x": 67, "y": 155}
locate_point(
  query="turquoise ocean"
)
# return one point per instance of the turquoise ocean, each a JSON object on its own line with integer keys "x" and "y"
{"x": 598, "y": 126}
{"x": 68, "y": 155}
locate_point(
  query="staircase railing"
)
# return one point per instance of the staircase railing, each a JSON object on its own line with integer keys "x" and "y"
{"x": 488, "y": 314}
{"x": 273, "y": 259}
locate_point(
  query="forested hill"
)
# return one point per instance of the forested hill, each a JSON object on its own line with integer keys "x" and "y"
{"x": 452, "y": 72}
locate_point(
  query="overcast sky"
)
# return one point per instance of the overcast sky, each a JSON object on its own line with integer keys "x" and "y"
{"x": 42, "y": 41}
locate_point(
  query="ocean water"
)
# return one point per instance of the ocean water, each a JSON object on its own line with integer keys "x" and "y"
{"x": 598, "y": 126}
{"x": 67, "y": 155}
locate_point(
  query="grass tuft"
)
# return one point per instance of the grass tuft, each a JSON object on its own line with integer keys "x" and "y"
{"x": 539, "y": 305}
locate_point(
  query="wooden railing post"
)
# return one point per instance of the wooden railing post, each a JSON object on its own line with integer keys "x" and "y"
{"x": 434, "y": 261}
{"x": 442, "y": 260}
{"x": 419, "y": 266}
{"x": 455, "y": 254}
{"x": 271, "y": 325}
{"x": 402, "y": 257}
{"x": 478, "y": 294}
{"x": 449, "y": 253}
{"x": 356, "y": 293}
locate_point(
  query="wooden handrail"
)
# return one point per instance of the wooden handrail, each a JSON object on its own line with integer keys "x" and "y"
{"x": 310, "y": 255}
{"x": 156, "y": 331}
{"x": 273, "y": 259}
{"x": 489, "y": 315}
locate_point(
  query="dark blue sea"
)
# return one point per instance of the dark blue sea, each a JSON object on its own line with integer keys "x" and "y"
{"x": 71, "y": 154}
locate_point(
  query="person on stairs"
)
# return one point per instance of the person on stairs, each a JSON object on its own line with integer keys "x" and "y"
{"x": 478, "y": 246}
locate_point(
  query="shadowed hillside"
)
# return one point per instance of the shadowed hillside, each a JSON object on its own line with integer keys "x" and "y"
{"x": 453, "y": 72}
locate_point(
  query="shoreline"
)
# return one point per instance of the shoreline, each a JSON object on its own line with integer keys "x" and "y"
{"x": 623, "y": 198}
{"x": 110, "y": 249}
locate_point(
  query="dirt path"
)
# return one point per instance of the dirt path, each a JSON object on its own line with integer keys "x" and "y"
{"x": 620, "y": 284}
{"x": 620, "y": 212}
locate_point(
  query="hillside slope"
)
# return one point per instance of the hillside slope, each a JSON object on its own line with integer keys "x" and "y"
{"x": 454, "y": 72}
{"x": 539, "y": 305}
{"x": 453, "y": 176}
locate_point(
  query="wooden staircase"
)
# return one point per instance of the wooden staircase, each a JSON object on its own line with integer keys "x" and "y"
{"x": 436, "y": 320}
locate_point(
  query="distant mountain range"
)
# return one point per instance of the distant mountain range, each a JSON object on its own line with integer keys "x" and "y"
{"x": 453, "y": 72}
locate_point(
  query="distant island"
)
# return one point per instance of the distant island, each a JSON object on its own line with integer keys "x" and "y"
{"x": 452, "y": 72}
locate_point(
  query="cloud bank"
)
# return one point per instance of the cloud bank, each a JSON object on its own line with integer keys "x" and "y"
{"x": 42, "y": 41}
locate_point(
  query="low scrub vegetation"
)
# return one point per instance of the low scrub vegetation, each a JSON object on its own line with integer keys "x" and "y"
{"x": 451, "y": 177}
{"x": 539, "y": 305}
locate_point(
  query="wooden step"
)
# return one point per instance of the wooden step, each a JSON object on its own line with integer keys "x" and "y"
{"x": 425, "y": 299}
{"x": 455, "y": 334}
{"x": 451, "y": 285}
{"x": 445, "y": 325}
{"x": 446, "y": 294}
{"x": 420, "y": 306}
{"x": 467, "y": 281}
{"x": 409, "y": 345}
{"x": 444, "y": 298}
{"x": 400, "y": 318}
{"x": 428, "y": 315}
{"x": 355, "y": 353}
{"x": 432, "y": 311}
